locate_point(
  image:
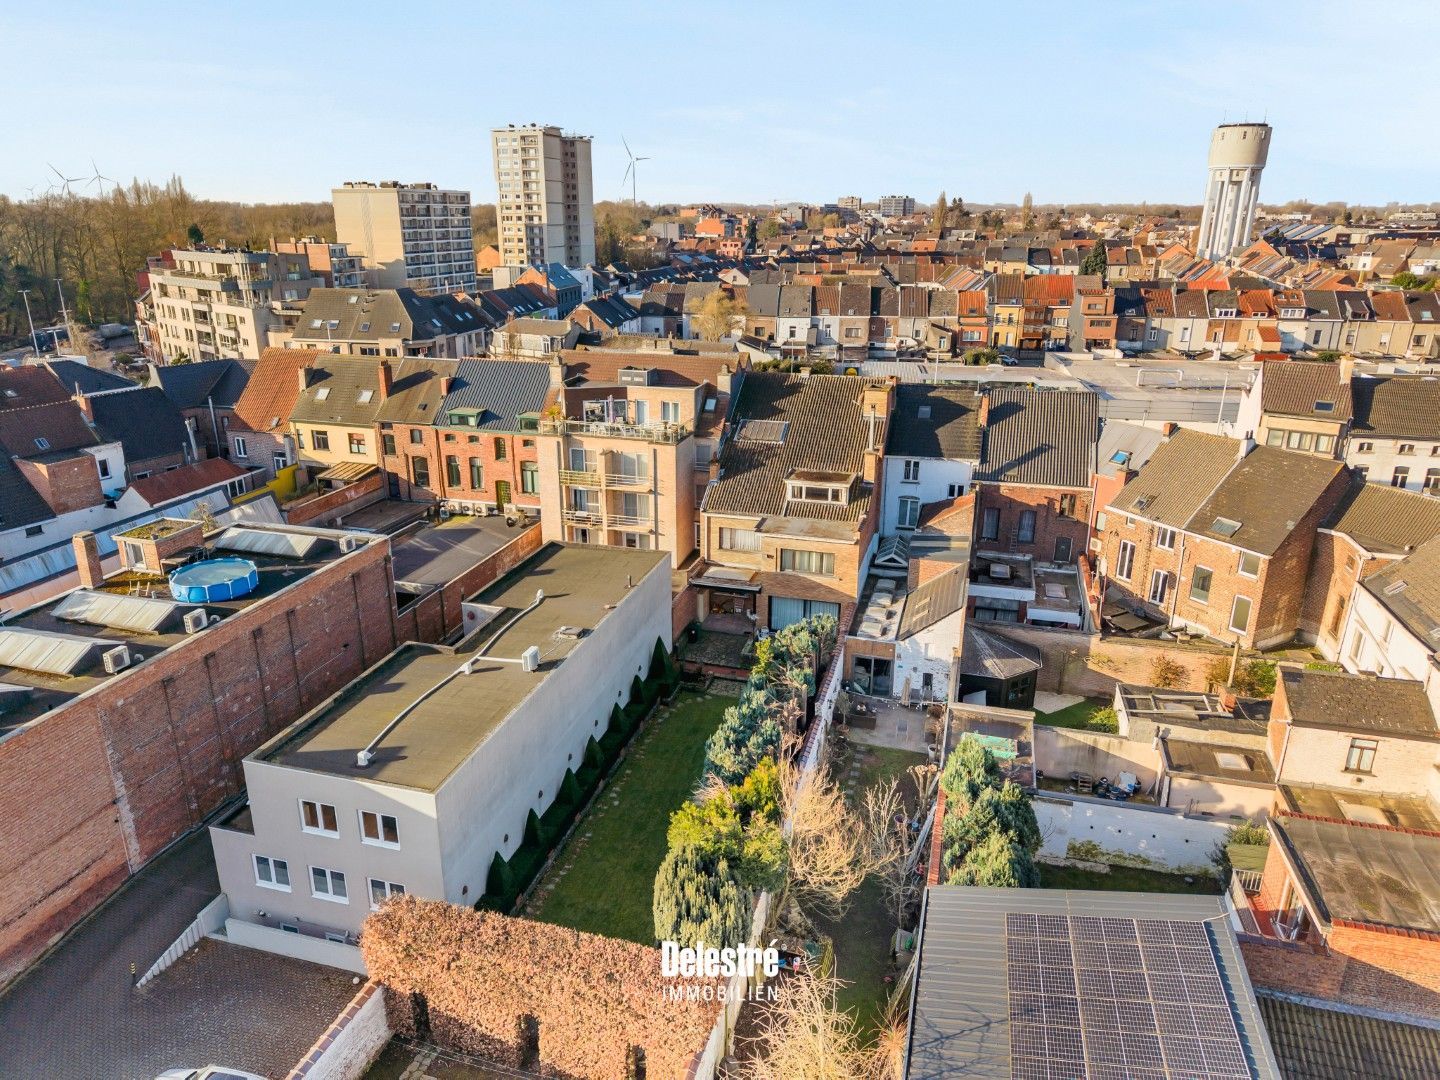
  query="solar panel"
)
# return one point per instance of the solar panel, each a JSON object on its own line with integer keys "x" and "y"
{"x": 1100, "y": 998}
{"x": 290, "y": 545}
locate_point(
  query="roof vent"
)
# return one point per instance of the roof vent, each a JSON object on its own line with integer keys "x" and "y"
{"x": 1395, "y": 587}
{"x": 572, "y": 632}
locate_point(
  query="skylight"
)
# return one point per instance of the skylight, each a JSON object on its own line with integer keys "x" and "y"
{"x": 923, "y": 412}
{"x": 394, "y": 327}
{"x": 355, "y": 299}
{"x": 1324, "y": 406}
{"x": 316, "y": 324}
{"x": 1395, "y": 587}
{"x": 1120, "y": 457}
{"x": 322, "y": 393}
{"x": 1225, "y": 527}
{"x": 365, "y": 396}
{"x": 42, "y": 443}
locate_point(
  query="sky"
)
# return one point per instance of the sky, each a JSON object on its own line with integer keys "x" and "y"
{"x": 1086, "y": 101}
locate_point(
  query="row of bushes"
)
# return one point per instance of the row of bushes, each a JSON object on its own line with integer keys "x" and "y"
{"x": 508, "y": 878}
{"x": 774, "y": 700}
{"x": 990, "y": 834}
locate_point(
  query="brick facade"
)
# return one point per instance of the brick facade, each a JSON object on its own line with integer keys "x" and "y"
{"x": 1053, "y": 528}
{"x": 100, "y": 785}
{"x": 500, "y": 455}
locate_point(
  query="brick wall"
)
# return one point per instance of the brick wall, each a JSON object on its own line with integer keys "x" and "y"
{"x": 95, "y": 789}
{"x": 67, "y": 485}
{"x": 1012, "y": 500}
{"x": 323, "y": 509}
{"x": 684, "y": 609}
{"x": 1078, "y": 663}
{"x": 464, "y": 445}
{"x": 437, "y": 614}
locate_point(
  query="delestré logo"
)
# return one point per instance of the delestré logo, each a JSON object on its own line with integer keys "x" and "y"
{"x": 702, "y": 961}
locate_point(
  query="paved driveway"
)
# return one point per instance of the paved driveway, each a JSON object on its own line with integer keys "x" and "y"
{"x": 77, "y": 1017}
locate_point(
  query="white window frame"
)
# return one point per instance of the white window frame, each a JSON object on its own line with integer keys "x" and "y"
{"x": 241, "y": 450}
{"x": 1160, "y": 578}
{"x": 391, "y": 888}
{"x": 911, "y": 473}
{"x": 319, "y": 830}
{"x": 1240, "y": 565}
{"x": 271, "y": 864}
{"x": 909, "y": 512}
{"x": 1125, "y": 566}
{"x": 330, "y": 879}
{"x": 1209, "y": 586}
{"x": 1249, "y": 614}
{"x": 1164, "y": 538}
{"x": 379, "y": 839}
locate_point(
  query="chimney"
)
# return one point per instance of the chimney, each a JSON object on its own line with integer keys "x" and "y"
{"x": 982, "y": 415}
{"x": 723, "y": 380}
{"x": 304, "y": 376}
{"x": 1246, "y": 445}
{"x": 444, "y": 385}
{"x": 557, "y": 373}
{"x": 1169, "y": 428}
{"x": 387, "y": 380}
{"x": 87, "y": 559}
{"x": 1228, "y": 700}
{"x": 84, "y": 404}
{"x": 1346, "y": 365}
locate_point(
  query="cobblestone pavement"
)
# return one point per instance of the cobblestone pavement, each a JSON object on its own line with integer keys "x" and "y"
{"x": 75, "y": 1016}
{"x": 402, "y": 1061}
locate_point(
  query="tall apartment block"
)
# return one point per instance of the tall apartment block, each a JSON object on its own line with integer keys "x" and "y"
{"x": 1237, "y": 158}
{"x": 410, "y": 236}
{"x": 332, "y": 263}
{"x": 211, "y": 303}
{"x": 853, "y": 203}
{"x": 546, "y": 207}
{"x": 897, "y": 205}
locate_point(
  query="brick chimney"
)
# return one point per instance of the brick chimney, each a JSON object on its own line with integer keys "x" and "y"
{"x": 87, "y": 559}
{"x": 1169, "y": 428}
{"x": 387, "y": 379}
{"x": 1346, "y": 366}
{"x": 84, "y": 405}
{"x": 557, "y": 372}
{"x": 982, "y": 415}
{"x": 444, "y": 385}
{"x": 304, "y": 377}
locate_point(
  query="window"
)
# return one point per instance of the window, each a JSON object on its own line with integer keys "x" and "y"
{"x": 785, "y": 610}
{"x": 1164, "y": 538}
{"x": 1365, "y": 448}
{"x": 529, "y": 477}
{"x": 1125, "y": 563}
{"x": 357, "y": 443}
{"x": 909, "y": 512}
{"x": 1100, "y": 521}
{"x": 1026, "y": 534}
{"x": 1361, "y": 757}
{"x": 739, "y": 540}
{"x": 1325, "y": 444}
{"x": 1067, "y": 506}
{"x": 379, "y": 829}
{"x": 452, "y": 470}
{"x": 318, "y": 818}
{"x": 954, "y": 491}
{"x": 417, "y": 436}
{"x": 387, "y": 444}
{"x": 380, "y": 891}
{"x": 320, "y": 440}
{"x": 420, "y": 471}
{"x": 990, "y": 524}
{"x": 272, "y": 873}
{"x": 328, "y": 885}
{"x": 241, "y": 450}
{"x": 670, "y": 412}
{"x": 500, "y": 447}
{"x": 1407, "y": 448}
{"x": 807, "y": 562}
{"x": 1432, "y": 481}
{"x": 1401, "y": 476}
{"x": 1249, "y": 565}
{"x": 477, "y": 478}
{"x": 1299, "y": 440}
{"x": 1240, "y": 614}
{"x": 104, "y": 467}
{"x": 1200, "y": 585}
{"x": 1159, "y": 587}
{"x": 1275, "y": 437}
{"x": 912, "y": 471}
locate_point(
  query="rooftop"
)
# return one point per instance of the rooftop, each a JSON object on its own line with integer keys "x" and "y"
{"x": 1316, "y": 1041}
{"x": 935, "y": 422}
{"x": 580, "y": 582}
{"x": 1218, "y": 761}
{"x": 1044, "y": 437}
{"x": 1362, "y": 807}
{"x": 1366, "y": 873}
{"x": 1410, "y": 589}
{"x": 41, "y": 690}
{"x": 1344, "y": 702}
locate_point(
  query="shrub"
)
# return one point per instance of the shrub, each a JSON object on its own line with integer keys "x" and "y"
{"x": 1165, "y": 672}
{"x": 499, "y": 882}
{"x": 594, "y": 757}
{"x": 1247, "y": 832}
{"x": 1258, "y": 679}
{"x": 697, "y": 898}
{"x": 663, "y": 671}
{"x": 998, "y": 862}
{"x": 1104, "y": 719}
{"x": 534, "y": 832}
{"x": 1217, "y": 672}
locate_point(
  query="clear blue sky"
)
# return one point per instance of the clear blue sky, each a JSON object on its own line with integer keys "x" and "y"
{"x": 1090, "y": 100}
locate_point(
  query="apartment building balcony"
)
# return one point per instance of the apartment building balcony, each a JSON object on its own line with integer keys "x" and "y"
{"x": 584, "y": 516}
{"x": 628, "y": 521}
{"x": 671, "y": 434}
{"x": 580, "y": 478}
{"x": 627, "y": 480}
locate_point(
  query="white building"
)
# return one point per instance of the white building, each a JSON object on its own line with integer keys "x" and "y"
{"x": 546, "y": 207}
{"x": 896, "y": 205}
{"x": 409, "y": 236}
{"x": 1391, "y": 627}
{"x": 1395, "y": 436}
{"x": 931, "y": 452}
{"x": 1237, "y": 158}
{"x": 455, "y": 760}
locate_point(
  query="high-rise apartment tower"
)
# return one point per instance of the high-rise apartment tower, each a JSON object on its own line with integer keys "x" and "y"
{"x": 546, "y": 207}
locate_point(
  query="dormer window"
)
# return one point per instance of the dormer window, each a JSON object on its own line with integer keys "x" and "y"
{"x": 805, "y": 485}
{"x": 1225, "y": 313}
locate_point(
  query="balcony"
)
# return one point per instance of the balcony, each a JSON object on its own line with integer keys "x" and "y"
{"x": 585, "y": 516}
{"x": 626, "y": 480}
{"x": 580, "y": 478}
{"x": 671, "y": 434}
{"x": 628, "y": 521}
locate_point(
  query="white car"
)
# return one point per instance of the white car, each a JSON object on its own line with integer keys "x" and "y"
{"x": 209, "y": 1072}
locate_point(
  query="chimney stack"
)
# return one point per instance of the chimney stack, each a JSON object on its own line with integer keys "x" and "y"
{"x": 1169, "y": 428}
{"x": 1346, "y": 365}
{"x": 87, "y": 559}
{"x": 387, "y": 380}
{"x": 85, "y": 407}
{"x": 1246, "y": 445}
{"x": 304, "y": 376}
{"x": 444, "y": 385}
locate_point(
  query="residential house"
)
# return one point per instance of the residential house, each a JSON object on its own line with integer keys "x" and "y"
{"x": 331, "y": 262}
{"x": 147, "y": 424}
{"x": 1395, "y": 437}
{"x": 1122, "y": 451}
{"x": 1216, "y": 534}
{"x": 389, "y": 322}
{"x": 559, "y": 282}
{"x": 205, "y": 393}
{"x": 788, "y": 520}
{"x": 333, "y": 419}
{"x": 411, "y": 394}
{"x": 1036, "y": 470}
{"x": 1297, "y": 405}
{"x": 1007, "y": 310}
{"x": 534, "y": 338}
{"x": 662, "y": 311}
{"x": 606, "y": 316}
{"x": 260, "y": 433}
{"x": 1393, "y": 624}
{"x": 1093, "y": 323}
{"x": 931, "y": 452}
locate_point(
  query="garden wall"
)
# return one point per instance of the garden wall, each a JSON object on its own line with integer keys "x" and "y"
{"x": 1126, "y": 834}
{"x": 326, "y": 508}
{"x": 351, "y": 1043}
{"x": 1087, "y": 664}
{"x": 1061, "y": 751}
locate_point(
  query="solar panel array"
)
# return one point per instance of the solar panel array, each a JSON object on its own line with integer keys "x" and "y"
{"x": 1117, "y": 999}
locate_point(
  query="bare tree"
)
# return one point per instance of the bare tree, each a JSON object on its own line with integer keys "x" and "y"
{"x": 891, "y": 842}
{"x": 829, "y": 857}
{"x": 804, "y": 1036}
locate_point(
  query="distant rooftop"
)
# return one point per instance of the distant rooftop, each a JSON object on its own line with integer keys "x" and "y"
{"x": 580, "y": 583}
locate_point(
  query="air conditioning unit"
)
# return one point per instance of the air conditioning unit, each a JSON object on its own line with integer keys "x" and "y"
{"x": 116, "y": 659}
{"x": 349, "y": 543}
{"x": 195, "y": 621}
{"x": 530, "y": 659}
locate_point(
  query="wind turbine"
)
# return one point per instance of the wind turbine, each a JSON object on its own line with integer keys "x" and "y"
{"x": 631, "y": 173}
{"x": 99, "y": 178}
{"x": 66, "y": 181}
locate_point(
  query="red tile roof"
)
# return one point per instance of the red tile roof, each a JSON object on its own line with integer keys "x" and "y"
{"x": 167, "y": 486}
{"x": 270, "y": 395}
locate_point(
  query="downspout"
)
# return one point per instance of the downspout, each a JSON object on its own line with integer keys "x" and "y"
{"x": 220, "y": 448}
{"x": 1179, "y": 572}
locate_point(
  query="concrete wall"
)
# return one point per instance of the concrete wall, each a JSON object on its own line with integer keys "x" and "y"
{"x": 300, "y": 946}
{"x": 1080, "y": 663}
{"x": 1061, "y": 751}
{"x": 351, "y": 1043}
{"x": 1188, "y": 794}
{"x": 930, "y": 651}
{"x": 1127, "y": 834}
{"x": 933, "y": 485}
{"x": 436, "y": 615}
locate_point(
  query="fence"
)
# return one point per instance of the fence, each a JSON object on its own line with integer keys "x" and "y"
{"x": 211, "y": 918}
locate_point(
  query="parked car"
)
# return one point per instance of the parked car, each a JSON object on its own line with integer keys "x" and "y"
{"x": 209, "y": 1072}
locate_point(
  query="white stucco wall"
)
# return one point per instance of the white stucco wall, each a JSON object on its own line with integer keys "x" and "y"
{"x": 936, "y": 476}
{"x": 931, "y": 651}
{"x": 1128, "y": 833}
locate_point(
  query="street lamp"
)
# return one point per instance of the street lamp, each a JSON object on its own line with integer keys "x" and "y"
{"x": 34, "y": 340}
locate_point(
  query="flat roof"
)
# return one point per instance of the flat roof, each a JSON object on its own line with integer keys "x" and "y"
{"x": 1217, "y": 761}
{"x": 460, "y": 713}
{"x": 960, "y": 1020}
{"x": 438, "y": 554}
{"x": 50, "y": 691}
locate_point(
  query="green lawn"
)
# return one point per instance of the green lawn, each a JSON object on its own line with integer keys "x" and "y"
{"x": 1080, "y": 715}
{"x": 1124, "y": 879}
{"x": 609, "y": 878}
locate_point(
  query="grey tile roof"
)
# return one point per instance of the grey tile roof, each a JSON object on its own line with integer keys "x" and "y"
{"x": 1397, "y": 406}
{"x": 501, "y": 389}
{"x": 1410, "y": 589}
{"x": 948, "y": 427}
{"x": 1320, "y": 1042}
{"x": 1386, "y": 519}
{"x": 990, "y": 656}
{"x": 960, "y": 1019}
{"x": 1352, "y": 871}
{"x": 145, "y": 422}
{"x": 90, "y": 380}
{"x": 933, "y": 600}
{"x": 1296, "y": 388}
{"x": 1267, "y": 492}
{"x": 384, "y": 313}
{"x": 344, "y": 380}
{"x": 1346, "y": 702}
{"x": 415, "y": 390}
{"x": 190, "y": 386}
{"x": 1178, "y": 478}
{"x": 1042, "y": 437}
{"x": 1133, "y": 443}
{"x": 826, "y": 433}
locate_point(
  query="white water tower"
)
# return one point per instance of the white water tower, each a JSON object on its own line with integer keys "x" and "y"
{"x": 1237, "y": 158}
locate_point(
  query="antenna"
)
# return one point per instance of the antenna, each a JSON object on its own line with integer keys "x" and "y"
{"x": 631, "y": 173}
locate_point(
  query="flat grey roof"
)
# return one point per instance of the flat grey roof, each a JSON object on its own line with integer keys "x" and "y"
{"x": 960, "y": 1020}
{"x": 438, "y": 554}
{"x": 459, "y": 715}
